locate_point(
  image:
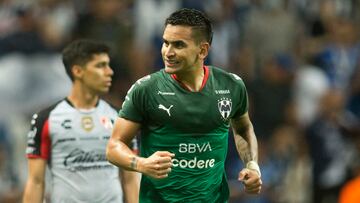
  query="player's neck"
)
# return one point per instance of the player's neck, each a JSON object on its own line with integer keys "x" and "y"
{"x": 82, "y": 99}
{"x": 192, "y": 80}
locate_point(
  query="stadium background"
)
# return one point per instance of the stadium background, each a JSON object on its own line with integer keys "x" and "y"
{"x": 298, "y": 58}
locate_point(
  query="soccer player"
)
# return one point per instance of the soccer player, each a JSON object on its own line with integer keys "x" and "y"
{"x": 71, "y": 136}
{"x": 184, "y": 113}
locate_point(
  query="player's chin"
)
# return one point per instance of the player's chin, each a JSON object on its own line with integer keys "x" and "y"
{"x": 104, "y": 90}
{"x": 171, "y": 70}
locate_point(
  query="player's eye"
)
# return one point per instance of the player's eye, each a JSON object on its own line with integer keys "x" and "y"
{"x": 102, "y": 65}
{"x": 179, "y": 44}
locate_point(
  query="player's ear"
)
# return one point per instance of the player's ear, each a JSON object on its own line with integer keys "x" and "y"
{"x": 77, "y": 71}
{"x": 204, "y": 49}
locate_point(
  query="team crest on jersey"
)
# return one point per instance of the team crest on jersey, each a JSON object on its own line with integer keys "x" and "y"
{"x": 87, "y": 123}
{"x": 224, "y": 105}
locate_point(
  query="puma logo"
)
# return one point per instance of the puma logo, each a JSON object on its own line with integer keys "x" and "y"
{"x": 166, "y": 109}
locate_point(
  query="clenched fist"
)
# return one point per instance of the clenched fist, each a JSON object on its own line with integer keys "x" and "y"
{"x": 158, "y": 165}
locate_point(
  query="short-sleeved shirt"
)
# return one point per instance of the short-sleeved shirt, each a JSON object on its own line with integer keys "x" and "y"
{"x": 192, "y": 125}
{"x": 73, "y": 141}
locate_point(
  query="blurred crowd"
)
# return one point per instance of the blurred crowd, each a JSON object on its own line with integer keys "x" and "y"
{"x": 300, "y": 60}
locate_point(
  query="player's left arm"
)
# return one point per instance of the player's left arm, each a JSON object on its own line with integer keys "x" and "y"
{"x": 130, "y": 181}
{"x": 247, "y": 147}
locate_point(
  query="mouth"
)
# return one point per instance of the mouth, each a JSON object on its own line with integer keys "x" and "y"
{"x": 170, "y": 63}
{"x": 108, "y": 83}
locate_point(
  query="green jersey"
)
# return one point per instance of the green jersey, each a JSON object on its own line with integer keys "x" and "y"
{"x": 192, "y": 125}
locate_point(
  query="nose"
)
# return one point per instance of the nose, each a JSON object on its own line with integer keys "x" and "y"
{"x": 109, "y": 70}
{"x": 169, "y": 51}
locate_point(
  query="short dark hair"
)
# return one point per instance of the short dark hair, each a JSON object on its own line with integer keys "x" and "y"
{"x": 196, "y": 19}
{"x": 80, "y": 52}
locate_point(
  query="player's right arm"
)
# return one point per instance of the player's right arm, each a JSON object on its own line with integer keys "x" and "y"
{"x": 35, "y": 184}
{"x": 118, "y": 152}
{"x": 38, "y": 153}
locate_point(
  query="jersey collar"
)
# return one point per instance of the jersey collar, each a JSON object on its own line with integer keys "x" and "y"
{"x": 206, "y": 77}
{"x": 72, "y": 105}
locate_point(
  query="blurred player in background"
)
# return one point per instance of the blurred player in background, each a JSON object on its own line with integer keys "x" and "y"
{"x": 71, "y": 135}
{"x": 184, "y": 113}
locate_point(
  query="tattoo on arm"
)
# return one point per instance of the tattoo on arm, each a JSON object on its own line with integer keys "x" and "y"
{"x": 243, "y": 149}
{"x": 133, "y": 164}
{"x": 245, "y": 140}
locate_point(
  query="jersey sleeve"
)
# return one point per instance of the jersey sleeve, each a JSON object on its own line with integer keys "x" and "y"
{"x": 38, "y": 143}
{"x": 243, "y": 102}
{"x": 134, "y": 143}
{"x": 134, "y": 105}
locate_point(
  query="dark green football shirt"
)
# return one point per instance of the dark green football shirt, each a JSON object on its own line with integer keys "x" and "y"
{"x": 192, "y": 125}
